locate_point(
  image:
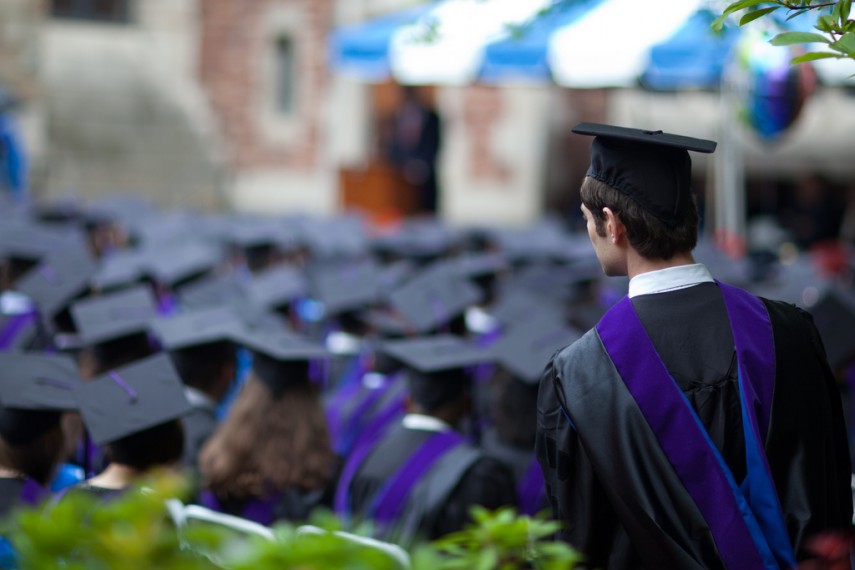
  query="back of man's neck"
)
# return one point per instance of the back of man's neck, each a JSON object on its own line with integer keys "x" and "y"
{"x": 636, "y": 264}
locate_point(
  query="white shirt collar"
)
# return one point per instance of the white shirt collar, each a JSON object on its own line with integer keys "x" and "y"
{"x": 669, "y": 279}
{"x": 423, "y": 422}
{"x": 199, "y": 399}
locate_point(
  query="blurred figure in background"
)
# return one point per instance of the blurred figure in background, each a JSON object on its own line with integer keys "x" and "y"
{"x": 414, "y": 145}
{"x": 13, "y": 157}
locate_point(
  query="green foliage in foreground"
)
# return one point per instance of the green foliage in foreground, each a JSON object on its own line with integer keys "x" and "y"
{"x": 835, "y": 31}
{"x": 136, "y": 532}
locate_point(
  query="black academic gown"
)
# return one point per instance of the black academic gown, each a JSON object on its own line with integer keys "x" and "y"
{"x": 475, "y": 479}
{"x": 601, "y": 472}
{"x": 11, "y": 495}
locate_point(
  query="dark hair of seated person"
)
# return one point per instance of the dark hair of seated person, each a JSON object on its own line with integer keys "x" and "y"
{"x": 38, "y": 459}
{"x": 158, "y": 446}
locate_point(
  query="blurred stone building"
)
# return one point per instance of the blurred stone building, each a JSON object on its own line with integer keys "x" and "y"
{"x": 233, "y": 104}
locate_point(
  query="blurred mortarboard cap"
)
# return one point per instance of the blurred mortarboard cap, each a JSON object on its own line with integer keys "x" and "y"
{"x": 214, "y": 290}
{"x": 543, "y": 241}
{"x": 259, "y": 236}
{"x": 556, "y": 282}
{"x": 112, "y": 316}
{"x": 132, "y": 398}
{"x": 197, "y": 327}
{"x": 475, "y": 265}
{"x": 29, "y": 240}
{"x": 58, "y": 280}
{"x": 281, "y": 358}
{"x": 395, "y": 273}
{"x": 181, "y": 262}
{"x": 347, "y": 285}
{"x": 34, "y": 388}
{"x": 128, "y": 211}
{"x": 161, "y": 228}
{"x": 120, "y": 269}
{"x": 651, "y": 167}
{"x": 524, "y": 350}
{"x": 277, "y": 286}
{"x": 434, "y": 297}
{"x": 419, "y": 239}
{"x": 436, "y": 353}
{"x": 519, "y": 306}
{"x": 340, "y": 237}
{"x": 437, "y": 366}
{"x": 19, "y": 322}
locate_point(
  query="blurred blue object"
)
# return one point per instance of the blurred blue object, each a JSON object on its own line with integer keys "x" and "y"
{"x": 67, "y": 476}
{"x": 524, "y": 57}
{"x": 244, "y": 365}
{"x": 694, "y": 57}
{"x": 363, "y": 49}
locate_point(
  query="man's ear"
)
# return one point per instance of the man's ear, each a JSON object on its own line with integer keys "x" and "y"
{"x": 615, "y": 230}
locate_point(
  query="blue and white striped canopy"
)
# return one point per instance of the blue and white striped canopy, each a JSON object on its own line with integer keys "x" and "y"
{"x": 577, "y": 44}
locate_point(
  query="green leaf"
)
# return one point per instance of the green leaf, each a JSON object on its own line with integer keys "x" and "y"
{"x": 718, "y": 23}
{"x": 845, "y": 44}
{"x": 826, "y": 23}
{"x": 741, "y": 5}
{"x": 813, "y": 56}
{"x": 793, "y": 38}
{"x": 845, "y": 9}
{"x": 751, "y": 16}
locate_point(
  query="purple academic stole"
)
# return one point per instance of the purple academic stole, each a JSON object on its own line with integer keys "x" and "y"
{"x": 531, "y": 489}
{"x": 745, "y": 521}
{"x": 256, "y": 510}
{"x": 392, "y": 496}
{"x": 32, "y": 493}
{"x": 14, "y": 326}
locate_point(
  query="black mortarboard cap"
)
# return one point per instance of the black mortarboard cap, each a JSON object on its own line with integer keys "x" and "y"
{"x": 277, "y": 286}
{"x": 419, "y": 239}
{"x": 215, "y": 290}
{"x": 279, "y": 358}
{"x": 115, "y": 315}
{"x": 34, "y": 388}
{"x": 29, "y": 240}
{"x": 57, "y": 280}
{"x": 524, "y": 350}
{"x": 120, "y": 269}
{"x": 197, "y": 327}
{"x": 651, "y": 167}
{"x": 434, "y": 297}
{"x": 132, "y": 398}
{"x": 340, "y": 237}
{"x": 181, "y": 262}
{"x": 436, "y": 365}
{"x": 518, "y": 306}
{"x": 346, "y": 285}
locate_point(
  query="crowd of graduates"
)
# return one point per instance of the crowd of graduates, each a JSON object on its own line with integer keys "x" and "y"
{"x": 289, "y": 363}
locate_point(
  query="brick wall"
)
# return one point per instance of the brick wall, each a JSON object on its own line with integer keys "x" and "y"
{"x": 236, "y": 40}
{"x": 483, "y": 108}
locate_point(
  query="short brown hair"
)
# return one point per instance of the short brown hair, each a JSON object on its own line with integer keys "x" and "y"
{"x": 269, "y": 442}
{"x": 647, "y": 234}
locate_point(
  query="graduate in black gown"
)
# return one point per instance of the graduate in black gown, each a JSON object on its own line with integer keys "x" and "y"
{"x": 695, "y": 426}
{"x": 271, "y": 458}
{"x": 35, "y": 390}
{"x": 422, "y": 477}
{"x": 134, "y": 414}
